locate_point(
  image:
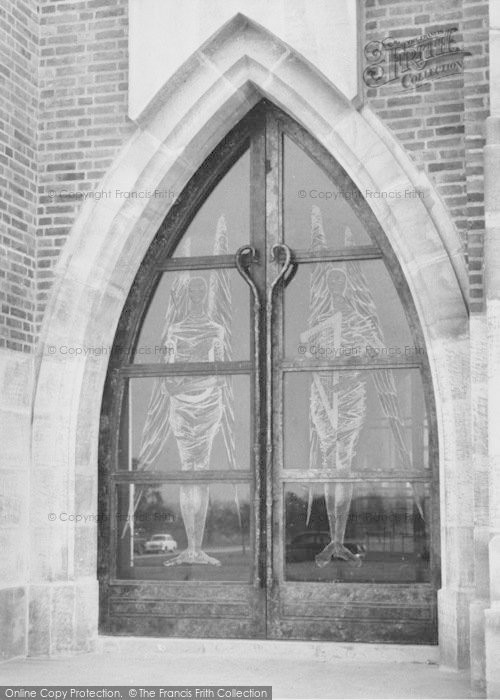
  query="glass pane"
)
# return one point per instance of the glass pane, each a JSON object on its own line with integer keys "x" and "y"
{"x": 181, "y": 423}
{"x": 222, "y": 224}
{"x": 318, "y": 213}
{"x": 196, "y": 316}
{"x": 357, "y": 532}
{"x": 184, "y": 532}
{"x": 355, "y": 421}
{"x": 346, "y": 309}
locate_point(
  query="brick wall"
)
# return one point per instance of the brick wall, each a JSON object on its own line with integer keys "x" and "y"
{"x": 63, "y": 81}
{"x": 83, "y": 123}
{"x": 18, "y": 139}
{"x": 476, "y": 99}
{"x": 441, "y": 122}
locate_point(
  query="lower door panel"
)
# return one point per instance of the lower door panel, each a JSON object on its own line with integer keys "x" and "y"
{"x": 207, "y": 610}
{"x": 404, "y": 615}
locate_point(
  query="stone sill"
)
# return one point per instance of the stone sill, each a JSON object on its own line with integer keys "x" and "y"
{"x": 268, "y": 648}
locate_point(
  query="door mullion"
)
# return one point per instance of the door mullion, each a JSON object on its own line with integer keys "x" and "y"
{"x": 257, "y": 232}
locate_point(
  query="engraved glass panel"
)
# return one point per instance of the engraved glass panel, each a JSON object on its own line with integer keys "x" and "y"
{"x": 351, "y": 309}
{"x": 339, "y": 422}
{"x": 184, "y": 532}
{"x": 222, "y": 223}
{"x": 366, "y": 532}
{"x": 186, "y": 423}
{"x": 196, "y": 316}
{"x": 314, "y": 203}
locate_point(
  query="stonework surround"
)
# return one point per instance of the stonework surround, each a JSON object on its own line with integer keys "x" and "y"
{"x": 51, "y": 402}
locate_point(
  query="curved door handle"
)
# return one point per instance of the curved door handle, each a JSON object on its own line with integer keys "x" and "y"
{"x": 246, "y": 256}
{"x": 285, "y": 274}
{"x": 241, "y": 253}
{"x": 286, "y": 268}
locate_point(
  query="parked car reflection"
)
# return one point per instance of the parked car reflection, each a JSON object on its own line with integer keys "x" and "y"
{"x": 162, "y": 542}
{"x": 307, "y": 545}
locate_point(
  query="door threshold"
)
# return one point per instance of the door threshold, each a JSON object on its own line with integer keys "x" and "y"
{"x": 270, "y": 648}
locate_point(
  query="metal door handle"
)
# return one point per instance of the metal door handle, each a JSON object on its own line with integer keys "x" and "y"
{"x": 285, "y": 274}
{"x": 287, "y": 263}
{"x": 241, "y": 253}
{"x": 245, "y": 256}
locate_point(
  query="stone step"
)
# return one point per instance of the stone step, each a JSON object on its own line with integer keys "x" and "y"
{"x": 269, "y": 648}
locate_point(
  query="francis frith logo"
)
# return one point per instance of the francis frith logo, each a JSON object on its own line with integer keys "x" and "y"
{"x": 413, "y": 62}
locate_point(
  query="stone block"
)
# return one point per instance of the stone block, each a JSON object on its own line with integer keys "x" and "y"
{"x": 477, "y": 647}
{"x": 62, "y": 618}
{"x": 86, "y": 494}
{"x": 39, "y": 620}
{"x": 50, "y": 549}
{"x": 13, "y": 516}
{"x": 492, "y": 644}
{"x": 13, "y": 560}
{"x": 15, "y": 438}
{"x": 50, "y": 495}
{"x": 16, "y": 374}
{"x": 454, "y": 629}
{"x": 86, "y": 615}
{"x": 494, "y": 550}
{"x": 85, "y": 562}
{"x": 12, "y": 622}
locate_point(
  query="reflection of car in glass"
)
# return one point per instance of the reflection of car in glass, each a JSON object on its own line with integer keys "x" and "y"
{"x": 307, "y": 545}
{"x": 161, "y": 543}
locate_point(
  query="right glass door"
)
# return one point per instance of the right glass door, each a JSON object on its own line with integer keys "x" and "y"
{"x": 355, "y": 548}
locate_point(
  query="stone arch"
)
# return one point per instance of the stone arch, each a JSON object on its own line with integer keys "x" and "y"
{"x": 217, "y": 86}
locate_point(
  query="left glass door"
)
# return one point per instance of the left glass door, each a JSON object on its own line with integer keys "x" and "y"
{"x": 180, "y": 488}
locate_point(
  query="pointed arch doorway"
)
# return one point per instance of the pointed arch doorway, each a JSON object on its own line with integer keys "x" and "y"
{"x": 268, "y": 448}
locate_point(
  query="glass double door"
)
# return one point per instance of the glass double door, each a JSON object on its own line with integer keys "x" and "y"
{"x": 267, "y": 452}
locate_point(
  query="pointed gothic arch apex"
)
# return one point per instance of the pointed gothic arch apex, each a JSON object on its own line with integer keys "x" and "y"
{"x": 166, "y": 38}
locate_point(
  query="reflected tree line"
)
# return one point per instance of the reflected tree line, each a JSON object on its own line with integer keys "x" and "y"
{"x": 368, "y": 515}
{"x": 228, "y": 521}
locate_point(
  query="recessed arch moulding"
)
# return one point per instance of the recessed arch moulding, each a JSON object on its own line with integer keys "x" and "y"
{"x": 191, "y": 112}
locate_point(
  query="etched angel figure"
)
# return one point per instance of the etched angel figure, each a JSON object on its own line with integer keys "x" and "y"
{"x": 194, "y": 408}
{"x": 195, "y": 412}
{"x": 343, "y": 316}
